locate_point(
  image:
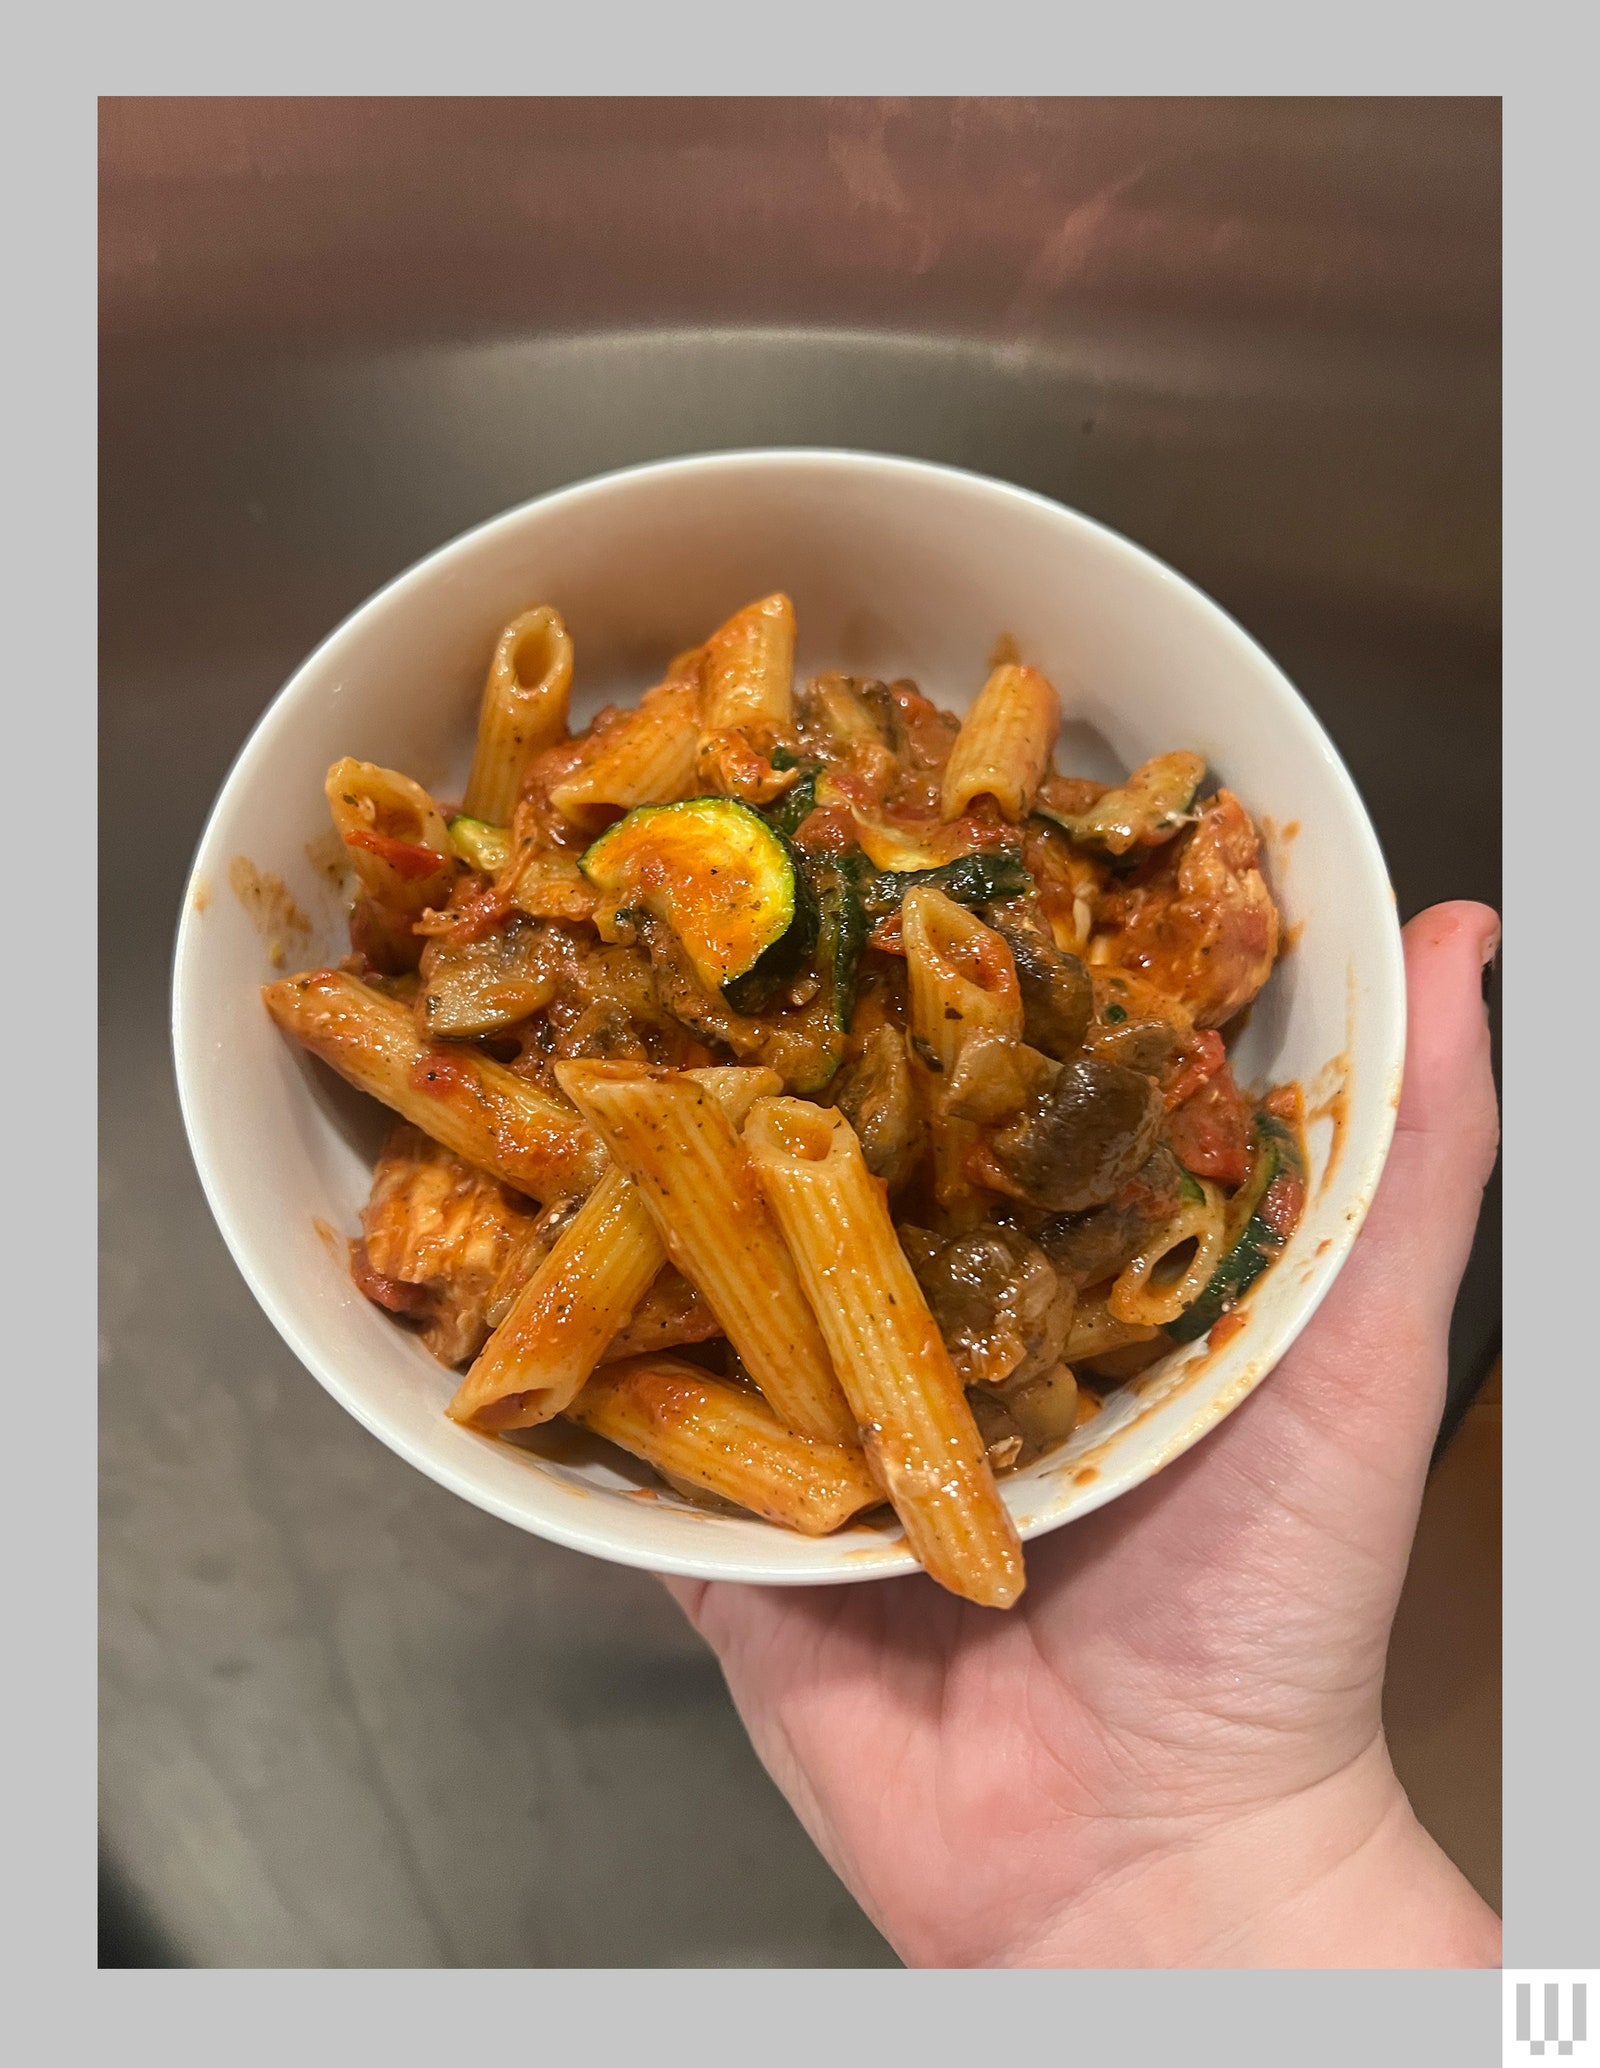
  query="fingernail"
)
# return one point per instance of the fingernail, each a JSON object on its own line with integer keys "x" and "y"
{"x": 1491, "y": 957}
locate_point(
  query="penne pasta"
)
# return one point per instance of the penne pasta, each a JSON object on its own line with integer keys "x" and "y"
{"x": 602, "y": 1265}
{"x": 966, "y": 1023}
{"x": 1138, "y": 1297}
{"x": 646, "y": 757}
{"x": 680, "y": 1148}
{"x": 581, "y": 1295}
{"x": 919, "y": 1432}
{"x": 749, "y": 669}
{"x": 493, "y": 1119}
{"x": 1096, "y": 1331}
{"x": 396, "y": 837}
{"x": 1004, "y": 745}
{"x": 962, "y": 977}
{"x": 524, "y": 710}
{"x": 726, "y": 1441}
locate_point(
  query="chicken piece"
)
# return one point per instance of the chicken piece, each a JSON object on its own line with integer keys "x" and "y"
{"x": 445, "y": 1245}
{"x": 735, "y": 762}
{"x": 1202, "y": 925}
{"x": 671, "y": 1314}
{"x": 999, "y": 1304}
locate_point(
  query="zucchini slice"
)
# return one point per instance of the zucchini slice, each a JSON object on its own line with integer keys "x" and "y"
{"x": 972, "y": 879}
{"x": 1255, "y": 1240}
{"x": 1155, "y": 802}
{"x": 480, "y": 845}
{"x": 721, "y": 877}
{"x": 841, "y": 932}
{"x": 789, "y": 811}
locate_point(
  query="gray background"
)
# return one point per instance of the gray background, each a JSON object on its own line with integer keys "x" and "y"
{"x": 346, "y": 1720}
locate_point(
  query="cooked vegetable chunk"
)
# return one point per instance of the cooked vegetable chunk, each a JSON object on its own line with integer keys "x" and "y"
{"x": 714, "y": 870}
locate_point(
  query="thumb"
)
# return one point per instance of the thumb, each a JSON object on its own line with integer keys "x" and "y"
{"x": 1375, "y": 1357}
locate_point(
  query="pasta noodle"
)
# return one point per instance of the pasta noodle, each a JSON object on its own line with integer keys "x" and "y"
{"x": 582, "y": 1294}
{"x": 919, "y": 1433}
{"x": 725, "y": 1441}
{"x": 692, "y": 1172}
{"x": 647, "y": 757}
{"x": 397, "y": 839}
{"x": 1004, "y": 745}
{"x": 967, "y": 1024}
{"x": 524, "y": 710}
{"x": 602, "y": 1265}
{"x": 494, "y": 1120}
{"x": 1096, "y": 1331}
{"x": 749, "y": 668}
{"x": 1139, "y": 1297}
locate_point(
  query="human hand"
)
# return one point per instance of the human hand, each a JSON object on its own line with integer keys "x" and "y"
{"x": 1171, "y": 1752}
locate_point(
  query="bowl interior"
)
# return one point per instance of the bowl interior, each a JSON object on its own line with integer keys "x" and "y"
{"x": 896, "y": 569}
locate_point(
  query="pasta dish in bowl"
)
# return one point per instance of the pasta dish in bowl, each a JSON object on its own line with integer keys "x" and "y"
{"x": 830, "y": 1102}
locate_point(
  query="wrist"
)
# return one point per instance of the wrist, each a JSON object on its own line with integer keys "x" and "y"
{"x": 1338, "y": 1875}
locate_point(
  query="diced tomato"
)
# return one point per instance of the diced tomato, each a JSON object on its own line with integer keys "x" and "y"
{"x": 1203, "y": 1056}
{"x": 1070, "y": 794}
{"x": 1210, "y": 1131}
{"x": 828, "y": 830}
{"x": 885, "y": 936}
{"x": 1282, "y": 1202}
{"x": 391, "y": 1293}
{"x": 408, "y": 859}
{"x": 479, "y": 913}
{"x": 1285, "y": 1103}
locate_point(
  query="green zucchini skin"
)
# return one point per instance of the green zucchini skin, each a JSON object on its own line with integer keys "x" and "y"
{"x": 786, "y": 814}
{"x": 1154, "y": 803}
{"x": 972, "y": 879}
{"x": 699, "y": 836}
{"x": 480, "y": 845}
{"x": 776, "y": 966}
{"x": 1257, "y": 1244}
{"x": 842, "y": 936}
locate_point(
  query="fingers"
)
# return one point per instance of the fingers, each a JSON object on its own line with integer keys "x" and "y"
{"x": 1374, "y": 1359}
{"x": 1447, "y": 1130}
{"x": 1449, "y": 1090}
{"x": 687, "y": 1593}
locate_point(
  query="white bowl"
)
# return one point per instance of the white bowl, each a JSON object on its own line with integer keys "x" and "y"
{"x": 896, "y": 568}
